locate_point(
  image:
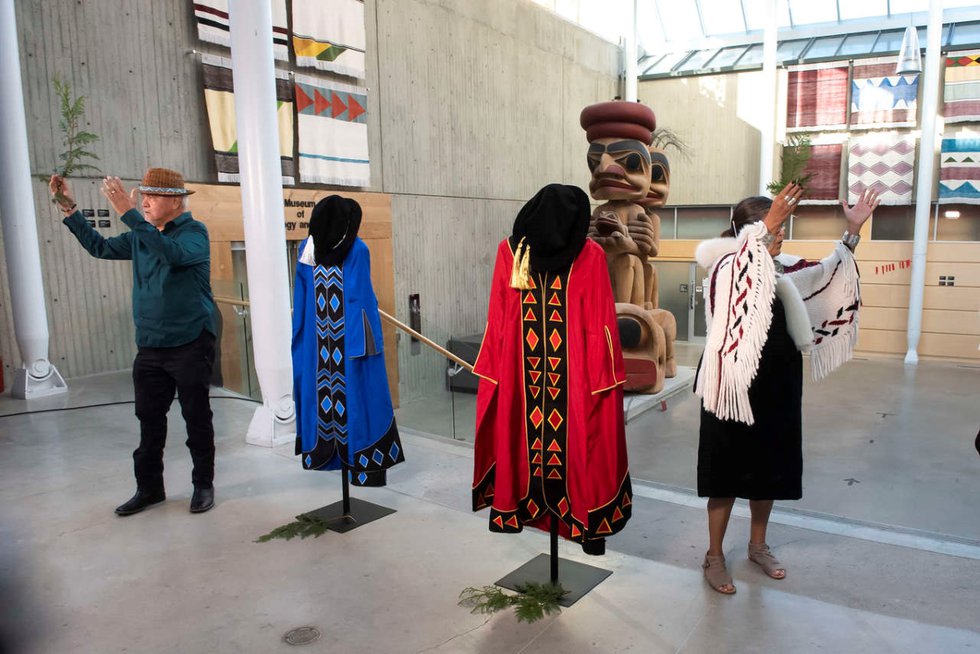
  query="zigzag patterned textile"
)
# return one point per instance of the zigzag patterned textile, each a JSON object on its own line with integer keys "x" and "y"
{"x": 331, "y": 386}
{"x": 212, "y": 25}
{"x": 817, "y": 98}
{"x": 329, "y": 35}
{"x": 959, "y": 171}
{"x": 333, "y": 138}
{"x": 884, "y": 162}
{"x": 961, "y": 93}
{"x": 880, "y": 97}
{"x": 219, "y": 97}
{"x": 824, "y": 165}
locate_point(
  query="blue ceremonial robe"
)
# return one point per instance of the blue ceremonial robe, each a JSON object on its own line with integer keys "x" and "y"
{"x": 343, "y": 407}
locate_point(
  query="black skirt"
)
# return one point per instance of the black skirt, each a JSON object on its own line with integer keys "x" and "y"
{"x": 764, "y": 461}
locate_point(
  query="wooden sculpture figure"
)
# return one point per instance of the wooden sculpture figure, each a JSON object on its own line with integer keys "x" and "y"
{"x": 646, "y": 233}
{"x": 620, "y": 135}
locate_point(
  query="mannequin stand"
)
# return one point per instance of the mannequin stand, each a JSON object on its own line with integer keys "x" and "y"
{"x": 576, "y": 578}
{"x": 350, "y": 513}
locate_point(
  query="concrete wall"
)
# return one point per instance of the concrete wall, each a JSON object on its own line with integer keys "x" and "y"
{"x": 473, "y": 106}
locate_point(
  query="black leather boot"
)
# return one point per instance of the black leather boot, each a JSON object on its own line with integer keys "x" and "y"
{"x": 141, "y": 500}
{"x": 202, "y": 500}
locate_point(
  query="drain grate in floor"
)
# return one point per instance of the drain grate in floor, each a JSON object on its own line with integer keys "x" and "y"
{"x": 302, "y": 635}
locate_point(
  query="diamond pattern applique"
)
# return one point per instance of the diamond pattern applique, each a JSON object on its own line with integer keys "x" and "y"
{"x": 363, "y": 460}
{"x": 309, "y": 461}
{"x": 339, "y": 406}
{"x": 324, "y": 353}
{"x": 378, "y": 457}
{"x": 532, "y": 339}
{"x": 563, "y": 506}
{"x": 555, "y": 339}
{"x": 532, "y": 508}
{"x": 334, "y": 302}
{"x": 327, "y": 404}
{"x": 337, "y": 356}
{"x": 537, "y": 417}
{"x": 320, "y": 302}
{"x": 555, "y": 419}
{"x": 394, "y": 451}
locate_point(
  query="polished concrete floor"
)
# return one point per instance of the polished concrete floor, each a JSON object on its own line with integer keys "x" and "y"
{"x": 883, "y": 552}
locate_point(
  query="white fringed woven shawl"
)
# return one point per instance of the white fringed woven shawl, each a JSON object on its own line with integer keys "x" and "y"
{"x": 821, "y": 300}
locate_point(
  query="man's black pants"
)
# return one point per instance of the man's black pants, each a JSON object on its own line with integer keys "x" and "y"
{"x": 159, "y": 372}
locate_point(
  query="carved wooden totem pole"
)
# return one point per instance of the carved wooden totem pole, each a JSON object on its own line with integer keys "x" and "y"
{"x": 620, "y": 135}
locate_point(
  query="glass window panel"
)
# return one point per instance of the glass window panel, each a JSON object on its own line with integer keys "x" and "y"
{"x": 824, "y": 47}
{"x": 893, "y": 223}
{"x": 964, "y": 228}
{"x": 753, "y": 57}
{"x": 790, "y": 50}
{"x": 722, "y": 16}
{"x": 755, "y": 14}
{"x": 697, "y": 60}
{"x": 666, "y": 64}
{"x": 726, "y": 57}
{"x": 890, "y": 41}
{"x": 818, "y": 222}
{"x": 858, "y": 44}
{"x": 680, "y": 20}
{"x": 900, "y": 7}
{"x": 702, "y": 222}
{"x": 850, "y": 9}
{"x": 808, "y": 11}
{"x": 966, "y": 34}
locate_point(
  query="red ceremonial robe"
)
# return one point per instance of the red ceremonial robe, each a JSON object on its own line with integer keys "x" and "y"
{"x": 550, "y": 435}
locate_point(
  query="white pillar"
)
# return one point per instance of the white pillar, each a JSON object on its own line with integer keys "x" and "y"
{"x": 928, "y": 148}
{"x": 253, "y": 72}
{"x": 36, "y": 376}
{"x": 630, "y": 54}
{"x": 767, "y": 102}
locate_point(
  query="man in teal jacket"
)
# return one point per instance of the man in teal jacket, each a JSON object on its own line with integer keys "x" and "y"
{"x": 175, "y": 325}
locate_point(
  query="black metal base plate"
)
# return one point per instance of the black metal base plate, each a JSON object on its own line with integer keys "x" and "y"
{"x": 577, "y": 578}
{"x": 361, "y": 513}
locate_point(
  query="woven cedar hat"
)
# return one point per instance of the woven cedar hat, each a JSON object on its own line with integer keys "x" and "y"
{"x": 163, "y": 181}
{"x": 618, "y": 119}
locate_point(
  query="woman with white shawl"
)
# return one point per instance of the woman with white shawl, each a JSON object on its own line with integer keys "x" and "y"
{"x": 764, "y": 309}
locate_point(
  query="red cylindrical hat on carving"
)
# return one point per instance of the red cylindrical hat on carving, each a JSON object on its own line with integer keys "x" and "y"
{"x": 620, "y": 119}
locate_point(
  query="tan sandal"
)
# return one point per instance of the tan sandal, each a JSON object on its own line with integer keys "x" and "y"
{"x": 761, "y": 555}
{"x": 717, "y": 574}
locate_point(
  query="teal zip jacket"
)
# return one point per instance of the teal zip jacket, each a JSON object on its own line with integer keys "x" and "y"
{"x": 172, "y": 301}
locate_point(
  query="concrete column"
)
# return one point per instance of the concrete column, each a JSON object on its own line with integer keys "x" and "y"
{"x": 253, "y": 72}
{"x": 36, "y": 376}
{"x": 630, "y": 54}
{"x": 928, "y": 149}
{"x": 768, "y": 100}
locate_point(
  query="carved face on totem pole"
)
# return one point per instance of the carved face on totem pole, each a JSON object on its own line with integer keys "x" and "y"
{"x": 619, "y": 135}
{"x": 656, "y": 196}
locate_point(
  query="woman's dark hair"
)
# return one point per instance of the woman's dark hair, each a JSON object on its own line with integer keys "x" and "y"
{"x": 747, "y": 211}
